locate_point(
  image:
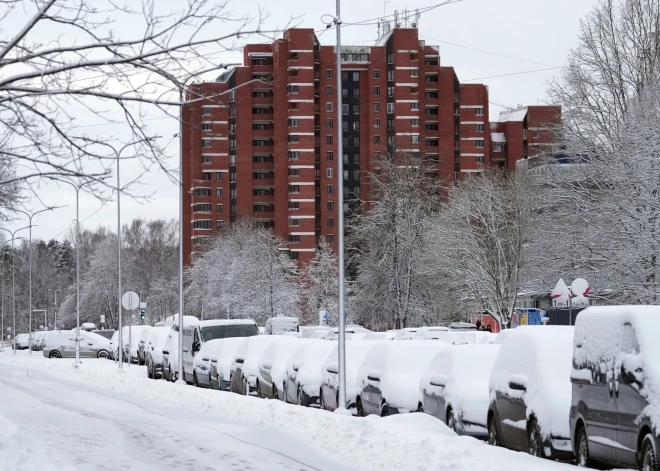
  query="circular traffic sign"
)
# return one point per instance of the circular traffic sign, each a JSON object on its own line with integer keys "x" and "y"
{"x": 130, "y": 300}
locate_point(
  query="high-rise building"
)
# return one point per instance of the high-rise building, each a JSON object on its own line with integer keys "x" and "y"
{"x": 261, "y": 141}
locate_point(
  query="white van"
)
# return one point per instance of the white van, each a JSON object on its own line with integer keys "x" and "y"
{"x": 281, "y": 325}
{"x": 194, "y": 337}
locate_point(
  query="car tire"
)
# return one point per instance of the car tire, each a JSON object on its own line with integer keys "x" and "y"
{"x": 246, "y": 387}
{"x": 275, "y": 394}
{"x": 649, "y": 457}
{"x": 384, "y": 409}
{"x": 493, "y": 437}
{"x": 583, "y": 458}
{"x": 258, "y": 389}
{"x": 55, "y": 354}
{"x": 300, "y": 398}
{"x": 285, "y": 393}
{"x": 451, "y": 419}
{"x": 102, "y": 354}
{"x": 195, "y": 382}
{"x": 359, "y": 407}
{"x": 420, "y": 408}
{"x": 321, "y": 400}
{"x": 534, "y": 440}
{"x": 150, "y": 373}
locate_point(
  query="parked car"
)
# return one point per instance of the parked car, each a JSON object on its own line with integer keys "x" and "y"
{"x": 142, "y": 345}
{"x": 220, "y": 357}
{"x": 454, "y": 389}
{"x": 302, "y": 381}
{"x": 435, "y": 333}
{"x": 281, "y": 325}
{"x": 615, "y": 378}
{"x": 22, "y": 341}
{"x": 406, "y": 334}
{"x": 171, "y": 349}
{"x": 154, "y": 348}
{"x": 272, "y": 367}
{"x": 195, "y": 334}
{"x": 62, "y": 344}
{"x": 245, "y": 367}
{"x": 107, "y": 333}
{"x": 462, "y": 326}
{"x": 356, "y": 350}
{"x": 388, "y": 379}
{"x": 530, "y": 392}
{"x": 310, "y": 331}
{"x": 36, "y": 340}
{"x": 114, "y": 346}
{"x": 389, "y": 335}
{"x": 476, "y": 337}
{"x": 130, "y": 338}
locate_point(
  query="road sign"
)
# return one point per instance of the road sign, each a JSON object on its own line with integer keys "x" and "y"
{"x": 580, "y": 287}
{"x": 130, "y": 300}
{"x": 102, "y": 318}
{"x": 560, "y": 291}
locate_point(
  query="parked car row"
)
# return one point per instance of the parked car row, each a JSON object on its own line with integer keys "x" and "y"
{"x": 62, "y": 344}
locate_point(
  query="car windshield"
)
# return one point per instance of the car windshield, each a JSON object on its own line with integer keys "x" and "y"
{"x": 226, "y": 331}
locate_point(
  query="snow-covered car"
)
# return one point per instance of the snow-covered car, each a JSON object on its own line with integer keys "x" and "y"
{"x": 196, "y": 334}
{"x": 220, "y": 358}
{"x": 356, "y": 350}
{"x": 388, "y": 379}
{"x": 455, "y": 388}
{"x": 475, "y": 337}
{"x": 311, "y": 331}
{"x": 245, "y": 367}
{"x": 62, "y": 344}
{"x": 171, "y": 349}
{"x": 130, "y": 338}
{"x": 114, "y": 346}
{"x": 615, "y": 412}
{"x": 202, "y": 364}
{"x": 389, "y": 335}
{"x": 302, "y": 381}
{"x": 272, "y": 367}
{"x": 434, "y": 333}
{"x": 154, "y": 351}
{"x": 36, "y": 340}
{"x": 530, "y": 392}
{"x": 142, "y": 345}
{"x": 462, "y": 326}
{"x": 406, "y": 334}
{"x": 107, "y": 333}
{"x": 281, "y": 325}
{"x": 22, "y": 341}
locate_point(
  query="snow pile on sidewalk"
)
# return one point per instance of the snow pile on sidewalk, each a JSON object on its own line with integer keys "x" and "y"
{"x": 405, "y": 442}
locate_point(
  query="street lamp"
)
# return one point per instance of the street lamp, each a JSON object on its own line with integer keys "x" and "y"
{"x": 2, "y": 302}
{"x": 77, "y": 188}
{"x": 30, "y": 216}
{"x": 13, "y": 281}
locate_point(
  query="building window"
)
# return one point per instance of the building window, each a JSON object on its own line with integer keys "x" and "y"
{"x": 376, "y": 91}
{"x": 331, "y": 205}
{"x": 376, "y": 139}
{"x": 330, "y": 238}
{"x": 260, "y": 159}
{"x": 414, "y": 73}
{"x": 328, "y": 107}
{"x": 258, "y": 127}
{"x": 479, "y": 143}
{"x": 232, "y": 112}
{"x": 331, "y": 189}
{"x": 344, "y": 109}
{"x": 498, "y": 147}
{"x": 202, "y": 208}
{"x": 293, "y": 89}
{"x": 414, "y": 122}
{"x": 390, "y": 91}
{"x": 294, "y": 238}
{"x": 480, "y": 159}
{"x": 376, "y": 73}
{"x": 206, "y": 159}
{"x": 344, "y": 92}
{"x": 535, "y": 134}
{"x": 206, "y": 143}
{"x": 206, "y": 110}
{"x": 328, "y": 90}
{"x": 431, "y": 79}
{"x": 294, "y": 222}
{"x": 414, "y": 106}
{"x": 390, "y": 58}
{"x": 294, "y": 155}
{"x": 390, "y": 75}
{"x": 356, "y": 92}
{"x": 329, "y": 173}
{"x": 355, "y": 125}
{"x": 232, "y": 95}
{"x": 259, "y": 175}
{"x": 232, "y": 144}
{"x": 329, "y": 156}
{"x": 390, "y": 124}
{"x": 414, "y": 138}
{"x": 232, "y": 193}
{"x": 328, "y": 73}
{"x": 259, "y": 192}
{"x": 218, "y": 192}
{"x": 356, "y": 75}
{"x": 202, "y": 192}
{"x": 218, "y": 208}
{"x": 430, "y": 94}
{"x": 377, "y": 122}
{"x": 356, "y": 109}
{"x": 294, "y": 189}
{"x": 294, "y": 123}
{"x": 260, "y": 208}
{"x": 329, "y": 140}
{"x": 479, "y": 111}
{"x": 294, "y": 172}
{"x": 294, "y": 138}
{"x": 328, "y": 123}
{"x": 390, "y": 108}
{"x": 293, "y": 106}
{"x": 232, "y": 128}
{"x": 206, "y": 127}
{"x": 331, "y": 222}
{"x": 203, "y": 224}
{"x": 376, "y": 107}
{"x": 480, "y": 128}
{"x": 218, "y": 176}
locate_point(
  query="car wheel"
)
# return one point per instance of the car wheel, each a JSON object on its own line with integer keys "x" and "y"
{"x": 321, "y": 400}
{"x": 384, "y": 410}
{"x": 420, "y": 407}
{"x": 451, "y": 420}
{"x": 275, "y": 395}
{"x": 582, "y": 447}
{"x": 493, "y": 438}
{"x": 300, "y": 399}
{"x": 534, "y": 441}
{"x": 150, "y": 373}
{"x": 195, "y": 382}
{"x": 102, "y": 354}
{"x": 231, "y": 384}
{"x": 55, "y": 354}
{"x": 285, "y": 393}
{"x": 258, "y": 388}
{"x": 649, "y": 460}
{"x": 246, "y": 387}
{"x": 358, "y": 406}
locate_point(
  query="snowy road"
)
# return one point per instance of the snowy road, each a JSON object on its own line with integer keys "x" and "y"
{"x": 49, "y": 424}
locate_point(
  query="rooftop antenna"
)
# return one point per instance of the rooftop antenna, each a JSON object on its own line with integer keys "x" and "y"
{"x": 385, "y": 2}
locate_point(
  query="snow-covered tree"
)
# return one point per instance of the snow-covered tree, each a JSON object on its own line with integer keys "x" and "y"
{"x": 320, "y": 285}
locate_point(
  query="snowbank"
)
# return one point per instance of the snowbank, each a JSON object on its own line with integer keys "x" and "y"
{"x": 540, "y": 358}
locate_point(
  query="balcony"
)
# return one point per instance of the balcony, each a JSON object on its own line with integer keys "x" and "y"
{"x": 203, "y": 183}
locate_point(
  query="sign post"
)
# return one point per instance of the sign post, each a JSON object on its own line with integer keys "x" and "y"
{"x": 129, "y": 301}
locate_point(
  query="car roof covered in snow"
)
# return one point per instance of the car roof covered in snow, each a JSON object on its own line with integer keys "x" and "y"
{"x": 217, "y": 322}
{"x": 187, "y": 320}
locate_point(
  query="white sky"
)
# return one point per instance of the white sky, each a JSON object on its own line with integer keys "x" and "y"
{"x": 538, "y": 31}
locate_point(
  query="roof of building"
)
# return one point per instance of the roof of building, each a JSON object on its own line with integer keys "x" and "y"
{"x": 498, "y": 137}
{"x": 513, "y": 115}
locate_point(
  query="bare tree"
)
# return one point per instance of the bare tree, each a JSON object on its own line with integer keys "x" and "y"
{"x": 122, "y": 63}
{"x": 320, "y": 285}
{"x": 388, "y": 238}
{"x": 478, "y": 239}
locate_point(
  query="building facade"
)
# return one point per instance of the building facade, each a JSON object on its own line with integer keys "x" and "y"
{"x": 261, "y": 141}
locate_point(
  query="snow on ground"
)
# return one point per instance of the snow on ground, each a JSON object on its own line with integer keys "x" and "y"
{"x": 406, "y": 442}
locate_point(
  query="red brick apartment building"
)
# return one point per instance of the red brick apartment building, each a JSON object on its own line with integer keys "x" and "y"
{"x": 261, "y": 141}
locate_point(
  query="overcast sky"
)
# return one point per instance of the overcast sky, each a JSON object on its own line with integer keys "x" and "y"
{"x": 538, "y": 34}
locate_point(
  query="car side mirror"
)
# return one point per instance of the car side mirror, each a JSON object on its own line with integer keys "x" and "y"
{"x": 373, "y": 375}
{"x": 267, "y": 365}
{"x": 439, "y": 380}
{"x": 517, "y": 386}
{"x": 296, "y": 367}
{"x": 195, "y": 347}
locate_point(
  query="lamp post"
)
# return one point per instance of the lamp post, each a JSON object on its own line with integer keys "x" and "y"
{"x": 2, "y": 302}
{"x": 13, "y": 282}
{"x": 30, "y": 216}
{"x": 77, "y": 187}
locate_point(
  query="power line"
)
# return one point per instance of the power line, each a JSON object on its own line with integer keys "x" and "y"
{"x": 509, "y": 75}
